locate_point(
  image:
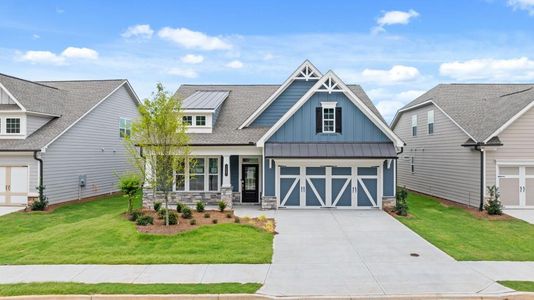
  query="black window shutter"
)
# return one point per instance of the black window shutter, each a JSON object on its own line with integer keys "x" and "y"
{"x": 338, "y": 120}
{"x": 318, "y": 120}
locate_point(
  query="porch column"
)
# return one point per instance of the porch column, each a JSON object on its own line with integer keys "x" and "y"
{"x": 226, "y": 171}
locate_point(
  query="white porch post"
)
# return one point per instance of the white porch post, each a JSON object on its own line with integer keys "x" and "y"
{"x": 226, "y": 171}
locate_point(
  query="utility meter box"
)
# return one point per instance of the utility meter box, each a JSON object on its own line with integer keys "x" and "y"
{"x": 82, "y": 180}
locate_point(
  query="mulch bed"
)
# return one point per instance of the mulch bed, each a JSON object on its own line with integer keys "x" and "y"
{"x": 185, "y": 224}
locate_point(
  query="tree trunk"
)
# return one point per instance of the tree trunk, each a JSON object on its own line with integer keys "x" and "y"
{"x": 166, "y": 208}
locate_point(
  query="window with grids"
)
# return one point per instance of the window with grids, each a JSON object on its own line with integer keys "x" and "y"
{"x": 200, "y": 121}
{"x": 414, "y": 125}
{"x": 213, "y": 174}
{"x": 125, "y": 127}
{"x": 180, "y": 177}
{"x": 412, "y": 164}
{"x": 187, "y": 120}
{"x": 12, "y": 125}
{"x": 196, "y": 174}
{"x": 430, "y": 122}
{"x": 329, "y": 119}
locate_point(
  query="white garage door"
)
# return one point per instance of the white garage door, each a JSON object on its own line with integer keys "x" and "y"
{"x": 13, "y": 185}
{"x": 516, "y": 186}
{"x": 329, "y": 186}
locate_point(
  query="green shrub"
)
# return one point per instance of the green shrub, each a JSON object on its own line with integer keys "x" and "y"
{"x": 186, "y": 213}
{"x": 161, "y": 213}
{"x": 135, "y": 214}
{"x": 157, "y": 206}
{"x": 229, "y": 215}
{"x": 207, "y": 215}
{"x": 173, "y": 218}
{"x": 130, "y": 185}
{"x": 200, "y": 206}
{"x": 179, "y": 207}
{"x": 237, "y": 220}
{"x": 193, "y": 222}
{"x": 494, "y": 205}
{"x": 214, "y": 221}
{"x": 144, "y": 220}
{"x": 401, "y": 205}
{"x": 42, "y": 202}
{"x": 222, "y": 205}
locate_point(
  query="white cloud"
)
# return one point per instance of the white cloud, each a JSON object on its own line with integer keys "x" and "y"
{"x": 36, "y": 36}
{"x": 520, "y": 68}
{"x": 527, "y": 5}
{"x": 388, "y": 102}
{"x": 193, "y": 39}
{"x": 235, "y": 64}
{"x": 192, "y": 59}
{"x": 268, "y": 56}
{"x": 396, "y": 74}
{"x": 141, "y": 31}
{"x": 74, "y": 52}
{"x": 187, "y": 73}
{"x": 45, "y": 57}
{"x": 394, "y": 17}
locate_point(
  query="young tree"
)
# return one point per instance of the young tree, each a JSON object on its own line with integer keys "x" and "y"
{"x": 161, "y": 134}
{"x": 130, "y": 185}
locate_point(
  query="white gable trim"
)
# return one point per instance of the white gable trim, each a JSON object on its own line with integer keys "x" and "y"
{"x": 298, "y": 74}
{"x": 509, "y": 122}
{"x": 343, "y": 88}
{"x": 125, "y": 82}
{"x": 12, "y": 97}
{"x": 401, "y": 111}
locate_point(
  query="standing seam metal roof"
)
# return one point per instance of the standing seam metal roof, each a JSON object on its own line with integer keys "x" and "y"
{"x": 205, "y": 100}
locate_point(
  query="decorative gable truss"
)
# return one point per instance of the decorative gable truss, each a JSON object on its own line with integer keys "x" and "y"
{"x": 331, "y": 83}
{"x": 306, "y": 71}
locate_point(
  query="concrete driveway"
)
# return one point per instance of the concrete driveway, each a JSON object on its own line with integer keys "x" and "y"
{"x": 4, "y": 210}
{"x": 360, "y": 253}
{"x": 526, "y": 215}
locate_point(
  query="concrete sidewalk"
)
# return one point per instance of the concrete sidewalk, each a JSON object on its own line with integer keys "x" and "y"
{"x": 503, "y": 270}
{"x": 135, "y": 273}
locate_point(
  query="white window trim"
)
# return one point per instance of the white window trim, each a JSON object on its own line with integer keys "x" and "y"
{"x": 127, "y": 120}
{"x": 428, "y": 115}
{"x": 192, "y": 119}
{"x": 3, "y": 126}
{"x": 205, "y": 121}
{"x": 206, "y": 176}
{"x": 414, "y": 125}
{"x": 329, "y": 105}
{"x": 12, "y": 133}
{"x": 412, "y": 165}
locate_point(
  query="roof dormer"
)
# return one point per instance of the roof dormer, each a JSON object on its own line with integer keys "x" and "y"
{"x": 201, "y": 109}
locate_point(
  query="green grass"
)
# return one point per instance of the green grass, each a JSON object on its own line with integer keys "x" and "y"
{"x": 97, "y": 233}
{"x": 466, "y": 237}
{"x": 72, "y": 288}
{"x": 523, "y": 286}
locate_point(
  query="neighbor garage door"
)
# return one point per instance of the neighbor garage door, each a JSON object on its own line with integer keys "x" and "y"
{"x": 329, "y": 186}
{"x": 516, "y": 185}
{"x": 13, "y": 185}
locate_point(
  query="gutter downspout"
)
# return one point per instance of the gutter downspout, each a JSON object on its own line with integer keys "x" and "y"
{"x": 40, "y": 160}
{"x": 397, "y": 171}
{"x": 482, "y": 171}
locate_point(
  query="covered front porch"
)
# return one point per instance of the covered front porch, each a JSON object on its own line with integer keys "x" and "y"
{"x": 233, "y": 174}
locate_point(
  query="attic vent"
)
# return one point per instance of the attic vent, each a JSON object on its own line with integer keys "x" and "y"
{"x": 205, "y": 100}
{"x": 516, "y": 92}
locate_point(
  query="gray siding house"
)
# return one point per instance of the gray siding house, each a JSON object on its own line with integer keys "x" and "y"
{"x": 311, "y": 142}
{"x": 60, "y": 133}
{"x": 462, "y": 138}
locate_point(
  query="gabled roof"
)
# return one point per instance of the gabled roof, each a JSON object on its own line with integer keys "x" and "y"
{"x": 480, "y": 110}
{"x": 331, "y": 83}
{"x": 66, "y": 101}
{"x": 205, "y": 100}
{"x": 242, "y": 102}
{"x": 306, "y": 71}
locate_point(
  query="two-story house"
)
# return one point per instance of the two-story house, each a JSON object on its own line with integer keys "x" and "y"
{"x": 311, "y": 142}
{"x": 64, "y": 135}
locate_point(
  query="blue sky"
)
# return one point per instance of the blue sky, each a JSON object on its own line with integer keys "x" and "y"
{"x": 394, "y": 49}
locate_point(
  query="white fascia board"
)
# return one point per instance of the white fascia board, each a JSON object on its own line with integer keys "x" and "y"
{"x": 225, "y": 150}
{"x": 279, "y": 91}
{"x": 12, "y": 97}
{"x": 139, "y": 102}
{"x": 197, "y": 111}
{"x": 349, "y": 94}
{"x": 398, "y": 114}
{"x": 83, "y": 116}
{"x": 509, "y": 122}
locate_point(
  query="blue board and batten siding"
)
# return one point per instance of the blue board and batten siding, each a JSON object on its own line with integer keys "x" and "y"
{"x": 283, "y": 103}
{"x": 92, "y": 147}
{"x": 388, "y": 179}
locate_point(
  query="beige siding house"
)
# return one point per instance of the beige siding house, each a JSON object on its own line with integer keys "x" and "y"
{"x": 461, "y": 138}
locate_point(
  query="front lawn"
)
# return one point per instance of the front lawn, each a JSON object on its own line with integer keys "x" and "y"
{"x": 523, "y": 286}
{"x": 466, "y": 237}
{"x": 73, "y": 288}
{"x": 97, "y": 233}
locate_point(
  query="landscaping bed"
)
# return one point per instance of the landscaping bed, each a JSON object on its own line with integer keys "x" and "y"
{"x": 200, "y": 219}
{"x": 468, "y": 235}
{"x": 73, "y": 288}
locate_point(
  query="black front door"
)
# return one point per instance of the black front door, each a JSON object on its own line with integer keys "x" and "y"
{"x": 249, "y": 183}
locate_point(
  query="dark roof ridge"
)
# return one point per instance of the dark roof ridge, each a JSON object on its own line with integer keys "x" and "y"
{"x": 81, "y": 80}
{"x": 486, "y": 83}
{"x": 516, "y": 92}
{"x": 29, "y": 81}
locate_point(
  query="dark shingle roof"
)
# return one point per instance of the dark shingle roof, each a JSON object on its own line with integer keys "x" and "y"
{"x": 480, "y": 109}
{"x": 242, "y": 101}
{"x": 69, "y": 99}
